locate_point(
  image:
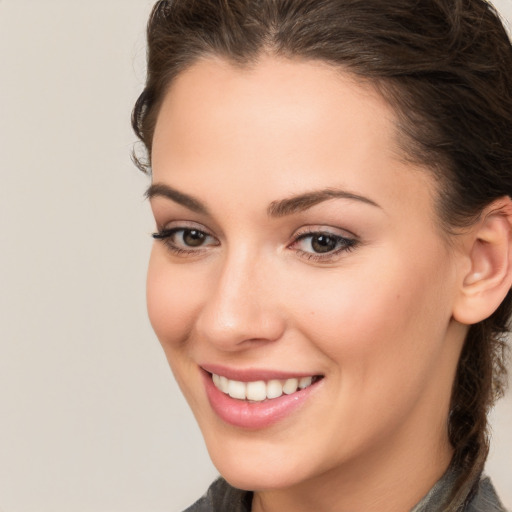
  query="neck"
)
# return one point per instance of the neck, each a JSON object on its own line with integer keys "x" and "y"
{"x": 378, "y": 482}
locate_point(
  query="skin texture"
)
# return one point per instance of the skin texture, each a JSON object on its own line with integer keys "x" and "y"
{"x": 376, "y": 320}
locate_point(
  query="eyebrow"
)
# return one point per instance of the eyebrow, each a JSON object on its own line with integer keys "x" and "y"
{"x": 309, "y": 199}
{"x": 161, "y": 190}
{"x": 279, "y": 208}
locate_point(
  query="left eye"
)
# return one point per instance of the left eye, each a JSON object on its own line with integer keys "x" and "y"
{"x": 185, "y": 238}
{"x": 322, "y": 243}
{"x": 191, "y": 237}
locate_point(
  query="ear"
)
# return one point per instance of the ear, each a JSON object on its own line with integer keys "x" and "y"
{"x": 488, "y": 277}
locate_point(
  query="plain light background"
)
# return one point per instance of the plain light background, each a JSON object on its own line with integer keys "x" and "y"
{"x": 90, "y": 417}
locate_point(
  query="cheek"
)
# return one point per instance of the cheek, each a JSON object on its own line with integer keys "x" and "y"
{"x": 171, "y": 300}
{"x": 379, "y": 316}
{"x": 382, "y": 330}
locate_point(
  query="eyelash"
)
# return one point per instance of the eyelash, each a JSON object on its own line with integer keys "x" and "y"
{"x": 346, "y": 244}
{"x": 166, "y": 236}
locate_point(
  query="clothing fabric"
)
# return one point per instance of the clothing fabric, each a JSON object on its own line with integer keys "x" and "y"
{"x": 221, "y": 497}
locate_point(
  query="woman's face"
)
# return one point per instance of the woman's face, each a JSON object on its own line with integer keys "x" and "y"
{"x": 299, "y": 248}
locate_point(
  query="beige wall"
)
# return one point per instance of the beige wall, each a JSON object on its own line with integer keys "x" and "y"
{"x": 90, "y": 418}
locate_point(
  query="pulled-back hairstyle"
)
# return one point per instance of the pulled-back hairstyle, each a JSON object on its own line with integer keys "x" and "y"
{"x": 445, "y": 66}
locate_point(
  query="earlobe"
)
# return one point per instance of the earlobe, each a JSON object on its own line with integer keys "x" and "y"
{"x": 489, "y": 278}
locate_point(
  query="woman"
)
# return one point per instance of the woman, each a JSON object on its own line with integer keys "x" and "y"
{"x": 331, "y": 185}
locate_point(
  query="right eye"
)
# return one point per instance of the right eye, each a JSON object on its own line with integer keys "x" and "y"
{"x": 183, "y": 240}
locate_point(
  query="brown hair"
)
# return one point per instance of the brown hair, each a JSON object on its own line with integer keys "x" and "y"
{"x": 446, "y": 68}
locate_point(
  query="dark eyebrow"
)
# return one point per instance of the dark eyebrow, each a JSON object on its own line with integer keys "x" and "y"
{"x": 309, "y": 199}
{"x": 279, "y": 208}
{"x": 159, "y": 189}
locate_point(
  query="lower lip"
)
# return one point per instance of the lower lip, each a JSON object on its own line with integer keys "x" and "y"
{"x": 254, "y": 415}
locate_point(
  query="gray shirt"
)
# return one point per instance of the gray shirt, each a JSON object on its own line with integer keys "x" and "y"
{"x": 221, "y": 497}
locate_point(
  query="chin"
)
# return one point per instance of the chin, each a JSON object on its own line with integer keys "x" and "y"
{"x": 259, "y": 478}
{"x": 258, "y": 465}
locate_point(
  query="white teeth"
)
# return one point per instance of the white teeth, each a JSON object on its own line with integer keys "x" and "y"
{"x": 223, "y": 384}
{"x": 305, "y": 382}
{"x": 274, "y": 389}
{"x": 256, "y": 391}
{"x": 290, "y": 386}
{"x": 236, "y": 389}
{"x": 260, "y": 390}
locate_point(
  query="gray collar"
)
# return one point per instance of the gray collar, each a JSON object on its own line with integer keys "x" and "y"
{"x": 437, "y": 498}
{"x": 221, "y": 497}
{"x": 482, "y": 497}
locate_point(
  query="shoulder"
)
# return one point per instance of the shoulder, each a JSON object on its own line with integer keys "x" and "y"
{"x": 221, "y": 497}
{"x": 485, "y": 498}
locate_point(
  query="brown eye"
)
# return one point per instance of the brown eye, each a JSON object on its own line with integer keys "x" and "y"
{"x": 323, "y": 243}
{"x": 193, "y": 237}
{"x": 182, "y": 240}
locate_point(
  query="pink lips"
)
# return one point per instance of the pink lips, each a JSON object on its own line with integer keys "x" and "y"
{"x": 253, "y": 415}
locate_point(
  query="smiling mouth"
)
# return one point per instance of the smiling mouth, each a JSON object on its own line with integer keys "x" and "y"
{"x": 259, "y": 391}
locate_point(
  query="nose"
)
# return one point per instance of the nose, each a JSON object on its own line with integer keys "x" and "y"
{"x": 241, "y": 307}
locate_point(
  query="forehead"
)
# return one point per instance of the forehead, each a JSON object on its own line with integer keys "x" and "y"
{"x": 278, "y": 97}
{"x": 279, "y": 127}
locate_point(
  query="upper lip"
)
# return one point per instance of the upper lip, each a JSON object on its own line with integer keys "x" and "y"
{"x": 253, "y": 374}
